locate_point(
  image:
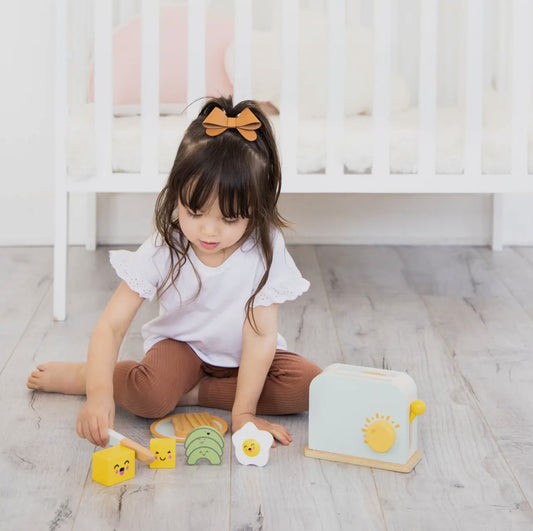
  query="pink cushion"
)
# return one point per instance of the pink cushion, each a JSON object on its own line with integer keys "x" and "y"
{"x": 173, "y": 58}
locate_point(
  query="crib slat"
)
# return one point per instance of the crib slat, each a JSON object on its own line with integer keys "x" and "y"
{"x": 289, "y": 87}
{"x": 103, "y": 84}
{"x": 149, "y": 87}
{"x": 196, "y": 60}
{"x": 382, "y": 81}
{"x": 242, "y": 86}
{"x": 503, "y": 32}
{"x": 335, "y": 99}
{"x": 427, "y": 87}
{"x": 520, "y": 86}
{"x": 474, "y": 89}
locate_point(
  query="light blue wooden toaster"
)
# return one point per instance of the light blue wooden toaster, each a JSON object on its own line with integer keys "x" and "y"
{"x": 364, "y": 416}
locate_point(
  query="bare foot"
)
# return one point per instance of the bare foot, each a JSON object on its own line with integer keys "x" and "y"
{"x": 58, "y": 377}
{"x": 191, "y": 397}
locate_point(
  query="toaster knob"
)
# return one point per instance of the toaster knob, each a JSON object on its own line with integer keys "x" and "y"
{"x": 380, "y": 436}
{"x": 417, "y": 408}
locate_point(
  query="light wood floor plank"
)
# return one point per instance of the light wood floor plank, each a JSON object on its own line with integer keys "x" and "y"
{"x": 24, "y": 281}
{"x": 457, "y": 319}
{"x": 294, "y": 492}
{"x": 44, "y": 464}
{"x": 188, "y": 497}
{"x": 515, "y": 269}
{"x": 298, "y": 493}
{"x": 185, "y": 491}
{"x": 490, "y": 333}
{"x": 307, "y": 323}
{"x": 463, "y": 480}
{"x": 56, "y": 463}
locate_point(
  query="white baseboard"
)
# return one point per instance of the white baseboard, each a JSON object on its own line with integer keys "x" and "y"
{"x": 382, "y": 240}
{"x": 291, "y": 238}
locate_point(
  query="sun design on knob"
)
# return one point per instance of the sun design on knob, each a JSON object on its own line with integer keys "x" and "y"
{"x": 380, "y": 432}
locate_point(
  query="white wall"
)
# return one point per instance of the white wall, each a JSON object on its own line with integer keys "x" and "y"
{"x": 26, "y": 119}
{"x": 26, "y": 176}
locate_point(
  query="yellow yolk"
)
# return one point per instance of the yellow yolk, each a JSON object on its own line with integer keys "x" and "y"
{"x": 251, "y": 447}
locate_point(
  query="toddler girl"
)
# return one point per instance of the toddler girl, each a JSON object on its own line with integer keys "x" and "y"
{"x": 219, "y": 268}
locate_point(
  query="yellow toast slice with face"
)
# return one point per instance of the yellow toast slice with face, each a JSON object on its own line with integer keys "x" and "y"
{"x": 184, "y": 423}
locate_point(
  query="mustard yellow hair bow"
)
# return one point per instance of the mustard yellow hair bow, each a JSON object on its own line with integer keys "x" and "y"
{"x": 246, "y": 123}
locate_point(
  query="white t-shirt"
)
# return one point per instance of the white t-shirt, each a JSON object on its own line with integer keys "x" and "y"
{"x": 210, "y": 321}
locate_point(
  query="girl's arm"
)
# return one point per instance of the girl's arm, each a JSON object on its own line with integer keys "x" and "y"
{"x": 258, "y": 351}
{"x": 98, "y": 413}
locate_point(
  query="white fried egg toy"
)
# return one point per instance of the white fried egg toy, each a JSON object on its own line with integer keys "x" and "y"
{"x": 252, "y": 446}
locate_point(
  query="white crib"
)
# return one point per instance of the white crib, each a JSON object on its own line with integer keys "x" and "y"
{"x": 335, "y": 176}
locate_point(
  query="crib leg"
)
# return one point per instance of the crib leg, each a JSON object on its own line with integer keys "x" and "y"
{"x": 61, "y": 194}
{"x": 60, "y": 254}
{"x": 497, "y": 221}
{"x": 90, "y": 242}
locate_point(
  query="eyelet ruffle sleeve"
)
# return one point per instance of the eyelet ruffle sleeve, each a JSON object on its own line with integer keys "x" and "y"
{"x": 278, "y": 294}
{"x": 138, "y": 268}
{"x": 285, "y": 282}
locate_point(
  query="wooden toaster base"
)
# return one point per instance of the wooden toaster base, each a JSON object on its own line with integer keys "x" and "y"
{"x": 372, "y": 463}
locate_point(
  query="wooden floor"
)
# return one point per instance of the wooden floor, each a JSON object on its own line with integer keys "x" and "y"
{"x": 459, "y": 320}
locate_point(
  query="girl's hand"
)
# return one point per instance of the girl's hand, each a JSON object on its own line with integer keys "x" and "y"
{"x": 278, "y": 432}
{"x": 96, "y": 416}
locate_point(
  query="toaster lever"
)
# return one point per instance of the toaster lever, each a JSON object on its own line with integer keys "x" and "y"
{"x": 417, "y": 408}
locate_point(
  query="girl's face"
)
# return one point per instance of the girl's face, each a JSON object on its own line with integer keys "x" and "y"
{"x": 212, "y": 236}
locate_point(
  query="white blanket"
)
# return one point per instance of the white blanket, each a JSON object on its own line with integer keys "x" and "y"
{"x": 357, "y": 146}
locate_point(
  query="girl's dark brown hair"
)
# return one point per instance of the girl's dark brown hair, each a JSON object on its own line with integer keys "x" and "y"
{"x": 245, "y": 175}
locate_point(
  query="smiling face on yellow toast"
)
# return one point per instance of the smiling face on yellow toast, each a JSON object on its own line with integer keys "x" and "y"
{"x": 164, "y": 451}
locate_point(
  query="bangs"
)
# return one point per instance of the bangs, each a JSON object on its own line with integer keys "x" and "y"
{"x": 228, "y": 177}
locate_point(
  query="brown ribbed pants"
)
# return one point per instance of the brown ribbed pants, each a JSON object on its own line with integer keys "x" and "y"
{"x": 153, "y": 387}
